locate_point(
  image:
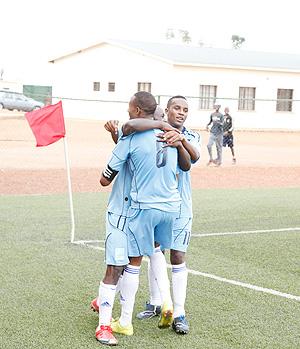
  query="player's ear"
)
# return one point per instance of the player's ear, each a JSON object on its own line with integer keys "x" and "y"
{"x": 166, "y": 111}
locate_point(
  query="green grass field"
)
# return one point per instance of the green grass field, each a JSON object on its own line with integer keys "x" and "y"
{"x": 47, "y": 283}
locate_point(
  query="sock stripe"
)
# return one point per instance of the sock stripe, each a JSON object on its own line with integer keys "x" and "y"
{"x": 178, "y": 270}
{"x": 132, "y": 270}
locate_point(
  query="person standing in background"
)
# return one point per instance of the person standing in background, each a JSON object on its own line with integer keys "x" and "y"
{"x": 227, "y": 133}
{"x": 216, "y": 135}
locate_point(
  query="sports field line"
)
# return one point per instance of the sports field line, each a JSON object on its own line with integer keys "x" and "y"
{"x": 215, "y": 277}
{"x": 245, "y": 232}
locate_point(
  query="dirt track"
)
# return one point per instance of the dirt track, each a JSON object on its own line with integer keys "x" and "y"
{"x": 264, "y": 159}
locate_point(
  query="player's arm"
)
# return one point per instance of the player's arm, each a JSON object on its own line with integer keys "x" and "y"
{"x": 232, "y": 125}
{"x": 119, "y": 156}
{"x": 174, "y": 139}
{"x": 210, "y": 121}
{"x": 112, "y": 127}
{"x": 193, "y": 152}
{"x": 107, "y": 176}
{"x": 184, "y": 159}
{"x": 140, "y": 125}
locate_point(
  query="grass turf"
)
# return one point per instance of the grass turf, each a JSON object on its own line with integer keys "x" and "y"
{"x": 47, "y": 283}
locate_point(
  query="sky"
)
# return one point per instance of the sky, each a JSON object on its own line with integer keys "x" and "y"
{"x": 35, "y": 31}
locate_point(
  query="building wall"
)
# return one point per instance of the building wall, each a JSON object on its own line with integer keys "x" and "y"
{"x": 11, "y": 86}
{"x": 74, "y": 76}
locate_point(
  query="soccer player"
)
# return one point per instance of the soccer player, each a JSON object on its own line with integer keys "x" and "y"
{"x": 155, "y": 202}
{"x": 177, "y": 112}
{"x": 116, "y": 254}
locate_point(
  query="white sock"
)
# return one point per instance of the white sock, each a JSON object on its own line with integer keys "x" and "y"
{"x": 119, "y": 284}
{"x": 153, "y": 287}
{"x": 130, "y": 284}
{"x": 159, "y": 268}
{"x": 106, "y": 300}
{"x": 179, "y": 283}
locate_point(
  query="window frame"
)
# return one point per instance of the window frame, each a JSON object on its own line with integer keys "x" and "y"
{"x": 144, "y": 86}
{"x": 111, "y": 87}
{"x": 285, "y": 105}
{"x": 96, "y": 86}
{"x": 246, "y": 100}
{"x": 207, "y": 96}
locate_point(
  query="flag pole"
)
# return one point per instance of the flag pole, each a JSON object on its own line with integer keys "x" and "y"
{"x": 70, "y": 190}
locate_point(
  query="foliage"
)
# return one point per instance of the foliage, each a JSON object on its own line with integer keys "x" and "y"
{"x": 237, "y": 41}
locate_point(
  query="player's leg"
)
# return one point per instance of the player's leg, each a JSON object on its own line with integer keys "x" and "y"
{"x": 140, "y": 235}
{"x": 210, "y": 143}
{"x": 130, "y": 284}
{"x": 219, "y": 146}
{"x": 232, "y": 150}
{"x": 116, "y": 257}
{"x": 153, "y": 307}
{"x": 181, "y": 239}
{"x": 163, "y": 235}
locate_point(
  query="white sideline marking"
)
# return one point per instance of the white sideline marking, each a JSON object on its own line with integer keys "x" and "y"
{"x": 214, "y": 277}
{"x": 245, "y": 232}
{"x": 245, "y": 285}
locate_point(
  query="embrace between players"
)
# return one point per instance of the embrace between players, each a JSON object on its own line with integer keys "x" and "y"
{"x": 149, "y": 210}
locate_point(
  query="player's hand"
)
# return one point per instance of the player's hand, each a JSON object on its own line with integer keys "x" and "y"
{"x": 167, "y": 127}
{"x": 171, "y": 137}
{"x": 112, "y": 126}
{"x": 225, "y": 133}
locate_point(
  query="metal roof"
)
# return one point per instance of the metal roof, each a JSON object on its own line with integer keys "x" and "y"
{"x": 196, "y": 55}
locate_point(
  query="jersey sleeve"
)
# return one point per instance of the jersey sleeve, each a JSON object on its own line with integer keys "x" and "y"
{"x": 195, "y": 141}
{"x": 120, "y": 153}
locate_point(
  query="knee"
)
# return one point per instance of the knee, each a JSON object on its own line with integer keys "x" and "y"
{"x": 177, "y": 257}
{"x": 112, "y": 274}
{"x": 136, "y": 261}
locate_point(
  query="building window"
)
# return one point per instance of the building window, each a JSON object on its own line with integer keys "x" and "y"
{"x": 111, "y": 87}
{"x": 284, "y": 99}
{"x": 247, "y": 98}
{"x": 208, "y": 95}
{"x": 96, "y": 85}
{"x": 144, "y": 86}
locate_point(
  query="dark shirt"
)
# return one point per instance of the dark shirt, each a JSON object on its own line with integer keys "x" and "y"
{"x": 216, "y": 119}
{"x": 227, "y": 126}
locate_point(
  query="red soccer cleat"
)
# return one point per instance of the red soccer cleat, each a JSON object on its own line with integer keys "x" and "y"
{"x": 104, "y": 335}
{"x": 94, "y": 305}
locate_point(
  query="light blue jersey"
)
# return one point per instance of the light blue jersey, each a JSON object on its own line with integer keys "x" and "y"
{"x": 154, "y": 182}
{"x": 184, "y": 178}
{"x": 119, "y": 198}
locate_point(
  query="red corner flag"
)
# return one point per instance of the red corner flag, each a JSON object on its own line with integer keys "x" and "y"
{"x": 47, "y": 124}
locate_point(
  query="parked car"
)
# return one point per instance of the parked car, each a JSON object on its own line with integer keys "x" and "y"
{"x": 15, "y": 100}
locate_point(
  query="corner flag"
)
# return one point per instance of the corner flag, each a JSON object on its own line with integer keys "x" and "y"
{"x": 47, "y": 124}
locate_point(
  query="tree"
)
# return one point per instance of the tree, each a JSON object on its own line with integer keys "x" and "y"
{"x": 185, "y": 36}
{"x": 237, "y": 41}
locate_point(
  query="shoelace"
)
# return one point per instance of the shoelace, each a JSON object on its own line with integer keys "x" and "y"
{"x": 105, "y": 328}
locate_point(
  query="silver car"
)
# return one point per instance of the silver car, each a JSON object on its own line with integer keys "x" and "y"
{"x": 15, "y": 100}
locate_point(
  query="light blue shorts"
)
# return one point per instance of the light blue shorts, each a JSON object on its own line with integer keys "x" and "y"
{"x": 116, "y": 245}
{"x": 146, "y": 226}
{"x": 181, "y": 234}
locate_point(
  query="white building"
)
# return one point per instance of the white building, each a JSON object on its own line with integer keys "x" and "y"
{"x": 261, "y": 89}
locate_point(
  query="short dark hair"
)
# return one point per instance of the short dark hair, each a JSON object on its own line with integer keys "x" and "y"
{"x": 174, "y": 97}
{"x": 146, "y": 101}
